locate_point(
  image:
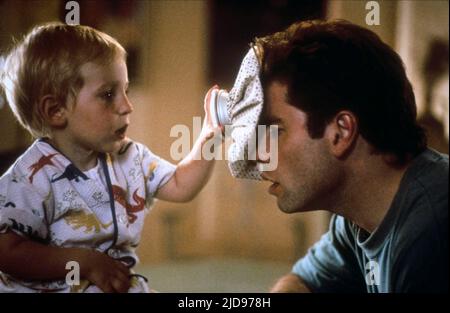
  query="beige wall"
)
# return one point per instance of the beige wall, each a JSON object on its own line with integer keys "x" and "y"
{"x": 174, "y": 39}
{"x": 407, "y": 26}
{"x": 16, "y": 18}
{"x": 355, "y": 12}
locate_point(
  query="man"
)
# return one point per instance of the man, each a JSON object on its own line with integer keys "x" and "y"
{"x": 349, "y": 143}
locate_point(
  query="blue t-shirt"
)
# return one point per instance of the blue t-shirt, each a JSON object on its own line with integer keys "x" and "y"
{"x": 408, "y": 252}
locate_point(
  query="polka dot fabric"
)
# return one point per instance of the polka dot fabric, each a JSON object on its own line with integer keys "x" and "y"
{"x": 244, "y": 105}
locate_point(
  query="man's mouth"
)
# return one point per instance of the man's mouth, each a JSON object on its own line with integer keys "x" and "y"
{"x": 274, "y": 187}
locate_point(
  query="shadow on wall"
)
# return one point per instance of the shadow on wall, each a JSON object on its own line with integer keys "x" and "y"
{"x": 234, "y": 24}
{"x": 435, "y": 73}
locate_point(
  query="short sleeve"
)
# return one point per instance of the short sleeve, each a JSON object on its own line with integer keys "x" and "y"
{"x": 331, "y": 264}
{"x": 157, "y": 171}
{"x": 22, "y": 209}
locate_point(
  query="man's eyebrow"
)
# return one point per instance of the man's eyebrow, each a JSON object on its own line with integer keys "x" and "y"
{"x": 274, "y": 120}
{"x": 271, "y": 120}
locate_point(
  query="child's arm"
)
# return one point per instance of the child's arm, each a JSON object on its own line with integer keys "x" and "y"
{"x": 29, "y": 260}
{"x": 193, "y": 171}
{"x": 189, "y": 177}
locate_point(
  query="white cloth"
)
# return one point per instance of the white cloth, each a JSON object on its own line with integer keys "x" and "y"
{"x": 244, "y": 106}
{"x": 44, "y": 197}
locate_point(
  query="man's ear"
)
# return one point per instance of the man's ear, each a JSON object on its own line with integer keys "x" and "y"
{"x": 52, "y": 111}
{"x": 342, "y": 132}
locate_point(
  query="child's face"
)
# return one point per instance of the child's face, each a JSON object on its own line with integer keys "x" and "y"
{"x": 99, "y": 118}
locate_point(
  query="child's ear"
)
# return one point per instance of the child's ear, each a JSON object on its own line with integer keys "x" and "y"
{"x": 52, "y": 111}
{"x": 342, "y": 133}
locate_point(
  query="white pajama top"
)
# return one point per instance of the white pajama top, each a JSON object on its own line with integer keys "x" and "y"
{"x": 45, "y": 198}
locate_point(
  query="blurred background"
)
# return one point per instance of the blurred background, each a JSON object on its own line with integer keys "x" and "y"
{"x": 232, "y": 237}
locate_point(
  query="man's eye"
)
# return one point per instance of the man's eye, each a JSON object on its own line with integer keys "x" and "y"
{"x": 280, "y": 132}
{"x": 279, "y": 129}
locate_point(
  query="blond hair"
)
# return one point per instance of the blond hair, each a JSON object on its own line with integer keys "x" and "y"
{"x": 47, "y": 61}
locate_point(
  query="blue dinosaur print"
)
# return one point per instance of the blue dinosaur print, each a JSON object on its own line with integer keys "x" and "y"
{"x": 71, "y": 173}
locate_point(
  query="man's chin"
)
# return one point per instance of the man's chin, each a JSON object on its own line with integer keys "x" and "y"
{"x": 290, "y": 208}
{"x": 286, "y": 208}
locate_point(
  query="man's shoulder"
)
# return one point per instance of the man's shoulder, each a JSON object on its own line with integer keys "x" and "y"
{"x": 427, "y": 193}
{"x": 423, "y": 212}
{"x": 424, "y": 188}
{"x": 430, "y": 171}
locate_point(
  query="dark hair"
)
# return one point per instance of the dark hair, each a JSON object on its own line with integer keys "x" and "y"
{"x": 336, "y": 65}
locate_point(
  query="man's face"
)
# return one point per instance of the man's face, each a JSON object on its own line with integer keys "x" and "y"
{"x": 307, "y": 174}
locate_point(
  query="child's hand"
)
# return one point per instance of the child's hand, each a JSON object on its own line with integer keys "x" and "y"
{"x": 208, "y": 127}
{"x": 106, "y": 273}
{"x": 194, "y": 170}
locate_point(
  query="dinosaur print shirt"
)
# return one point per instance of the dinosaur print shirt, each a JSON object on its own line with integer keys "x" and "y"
{"x": 46, "y": 198}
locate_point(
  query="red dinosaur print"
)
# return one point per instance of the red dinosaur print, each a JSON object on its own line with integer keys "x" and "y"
{"x": 121, "y": 197}
{"x": 43, "y": 161}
